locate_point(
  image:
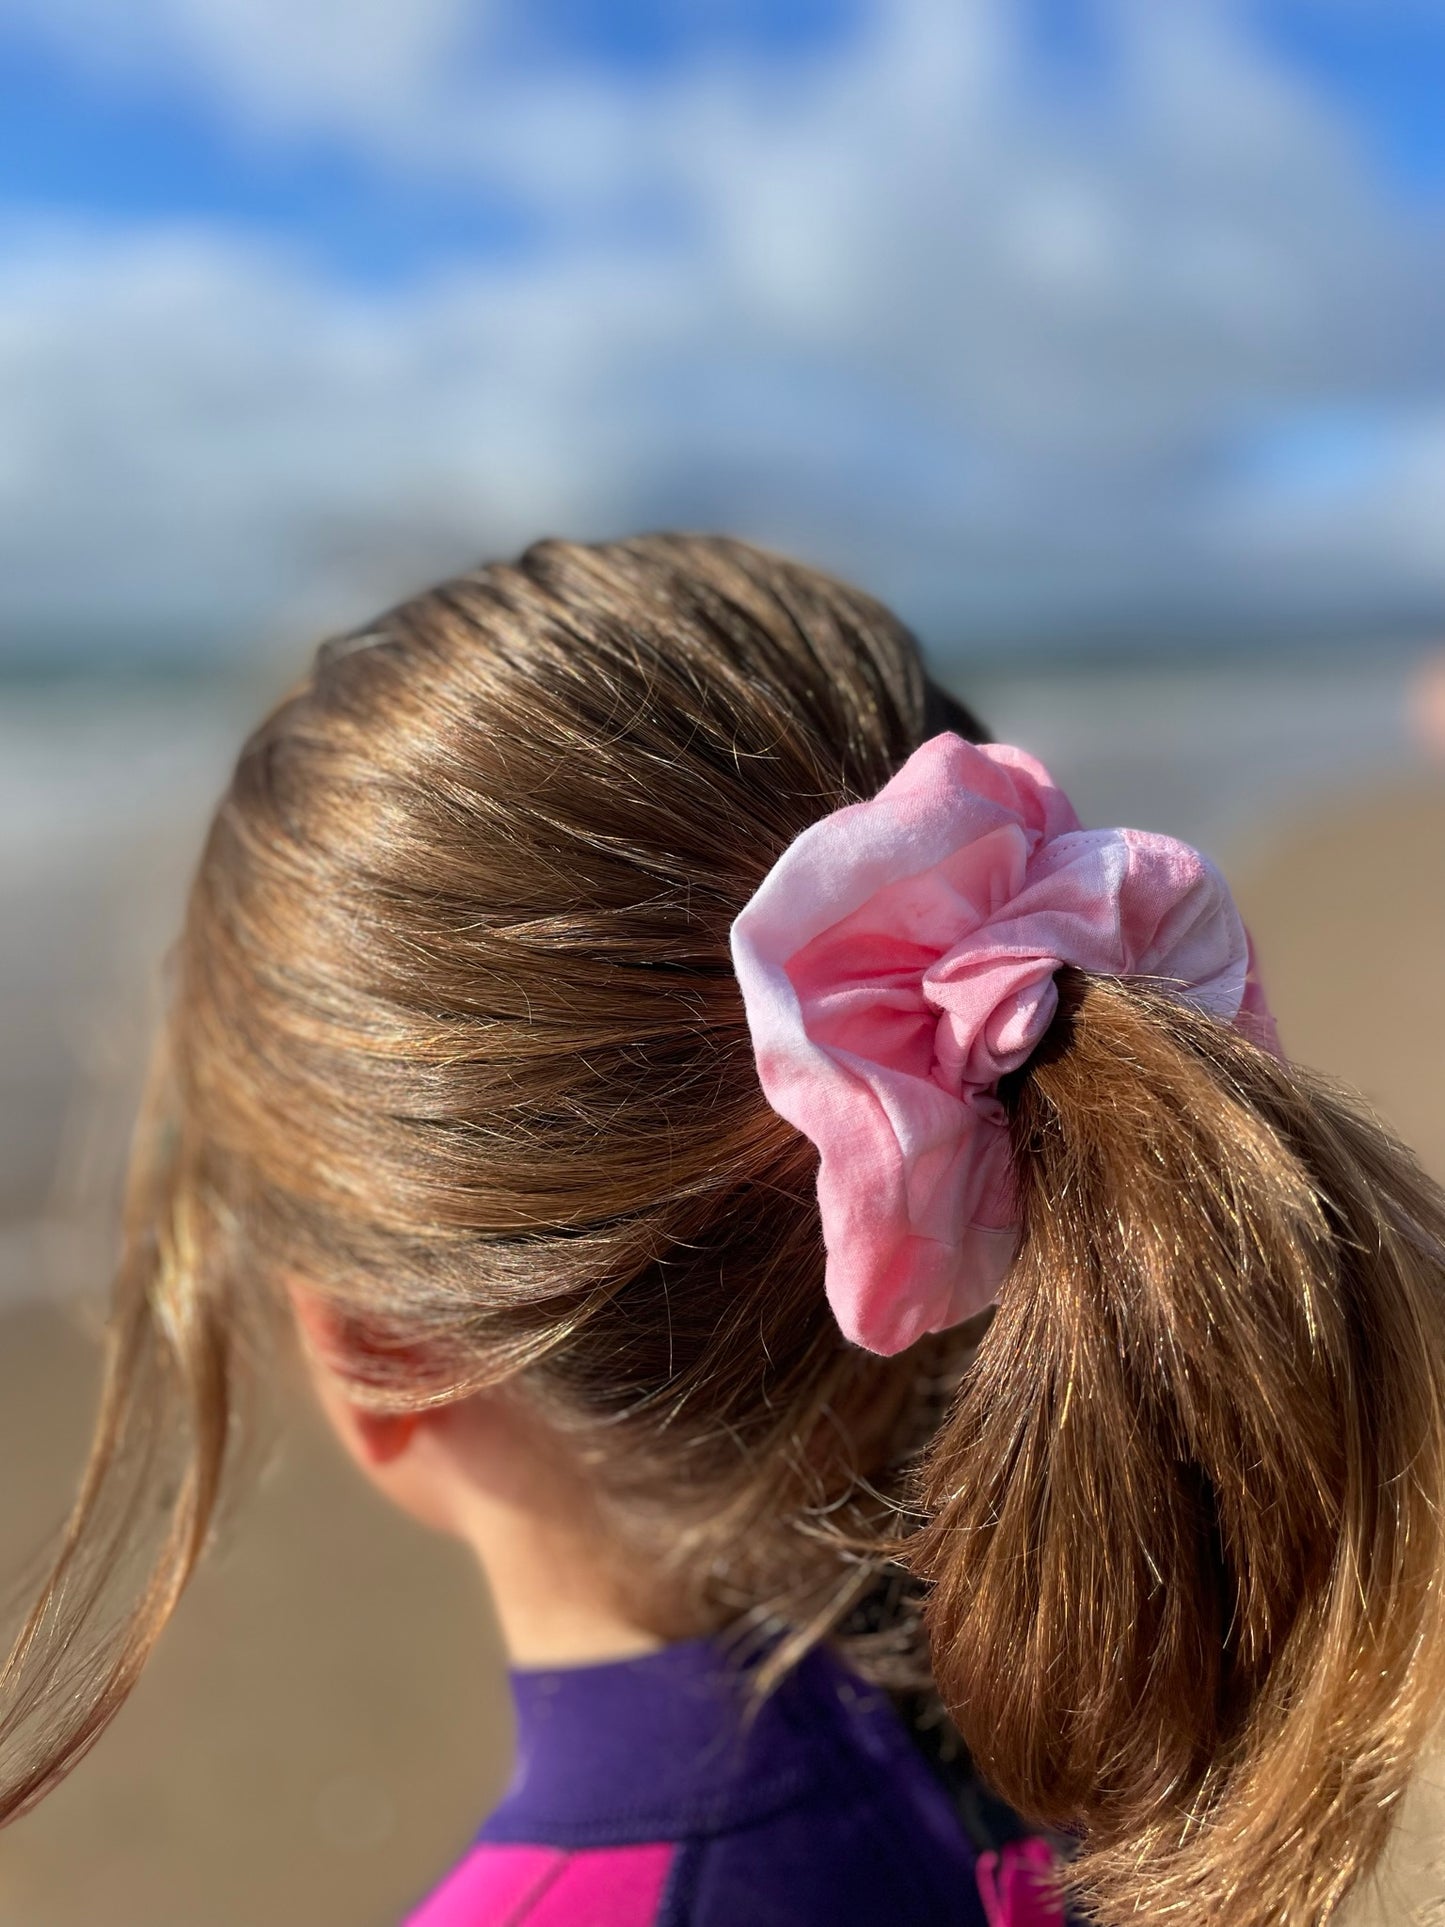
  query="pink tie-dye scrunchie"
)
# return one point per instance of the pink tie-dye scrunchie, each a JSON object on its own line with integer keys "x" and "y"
{"x": 899, "y": 958}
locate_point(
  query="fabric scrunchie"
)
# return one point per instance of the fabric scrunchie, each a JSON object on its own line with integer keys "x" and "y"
{"x": 899, "y": 958}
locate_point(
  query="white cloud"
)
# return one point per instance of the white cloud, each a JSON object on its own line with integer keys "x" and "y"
{"x": 990, "y": 350}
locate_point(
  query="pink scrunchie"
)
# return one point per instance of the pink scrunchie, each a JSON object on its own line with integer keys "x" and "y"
{"x": 899, "y": 958}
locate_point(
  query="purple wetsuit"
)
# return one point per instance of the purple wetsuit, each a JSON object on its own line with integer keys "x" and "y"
{"x": 645, "y": 1796}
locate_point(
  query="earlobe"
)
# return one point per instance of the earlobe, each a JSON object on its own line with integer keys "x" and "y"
{"x": 384, "y": 1436}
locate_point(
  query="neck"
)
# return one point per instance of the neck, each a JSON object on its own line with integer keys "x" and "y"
{"x": 549, "y": 1587}
{"x": 487, "y": 1470}
{"x": 551, "y": 1604}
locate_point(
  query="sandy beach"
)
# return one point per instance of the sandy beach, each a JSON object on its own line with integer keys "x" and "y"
{"x": 326, "y": 1721}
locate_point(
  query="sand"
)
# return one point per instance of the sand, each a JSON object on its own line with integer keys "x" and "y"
{"x": 1348, "y": 908}
{"x": 326, "y": 1721}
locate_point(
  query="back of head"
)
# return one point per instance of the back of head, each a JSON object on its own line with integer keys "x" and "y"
{"x": 457, "y": 1013}
{"x": 455, "y": 1045}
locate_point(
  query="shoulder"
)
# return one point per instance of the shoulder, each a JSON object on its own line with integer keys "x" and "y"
{"x": 872, "y": 1839}
{"x": 653, "y": 1795}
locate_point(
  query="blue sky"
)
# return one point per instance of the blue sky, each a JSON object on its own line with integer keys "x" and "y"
{"x": 1054, "y": 320}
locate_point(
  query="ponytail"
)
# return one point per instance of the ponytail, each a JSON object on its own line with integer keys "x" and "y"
{"x": 1186, "y": 1543}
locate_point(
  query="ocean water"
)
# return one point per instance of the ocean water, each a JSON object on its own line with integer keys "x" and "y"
{"x": 105, "y": 791}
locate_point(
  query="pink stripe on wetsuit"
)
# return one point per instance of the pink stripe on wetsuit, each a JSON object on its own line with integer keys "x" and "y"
{"x": 644, "y": 1798}
{"x": 546, "y": 1887}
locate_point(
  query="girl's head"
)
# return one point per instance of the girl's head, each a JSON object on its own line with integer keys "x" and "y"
{"x": 456, "y": 1061}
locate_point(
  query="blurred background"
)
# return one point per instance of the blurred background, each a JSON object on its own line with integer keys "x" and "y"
{"x": 1104, "y": 338}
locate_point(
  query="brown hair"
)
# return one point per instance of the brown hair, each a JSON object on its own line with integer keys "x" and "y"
{"x": 454, "y": 1041}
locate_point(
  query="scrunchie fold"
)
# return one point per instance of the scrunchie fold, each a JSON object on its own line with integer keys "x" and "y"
{"x": 899, "y": 958}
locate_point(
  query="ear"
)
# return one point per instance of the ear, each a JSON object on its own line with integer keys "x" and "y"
{"x": 324, "y": 1329}
{"x": 330, "y": 1340}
